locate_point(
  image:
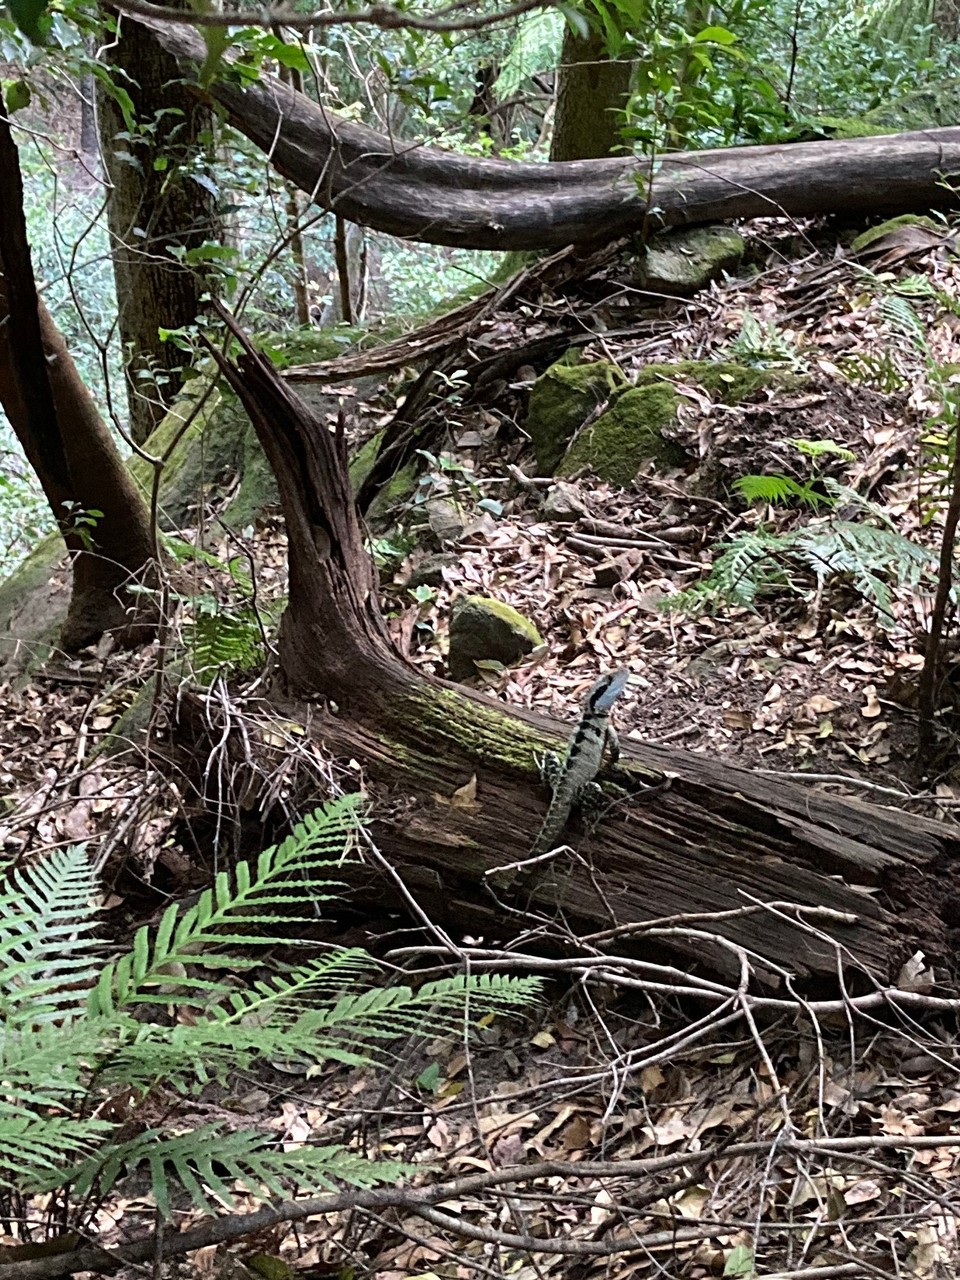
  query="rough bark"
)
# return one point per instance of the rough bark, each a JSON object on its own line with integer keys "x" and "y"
{"x": 427, "y": 194}
{"x": 66, "y": 441}
{"x": 156, "y": 208}
{"x": 592, "y": 93}
{"x": 709, "y": 840}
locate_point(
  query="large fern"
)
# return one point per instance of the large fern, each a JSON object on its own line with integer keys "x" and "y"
{"x": 802, "y": 562}
{"x": 76, "y": 1031}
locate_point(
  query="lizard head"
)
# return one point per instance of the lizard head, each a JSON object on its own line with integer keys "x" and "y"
{"x": 607, "y": 689}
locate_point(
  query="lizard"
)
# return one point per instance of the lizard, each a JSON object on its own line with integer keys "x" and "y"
{"x": 572, "y": 777}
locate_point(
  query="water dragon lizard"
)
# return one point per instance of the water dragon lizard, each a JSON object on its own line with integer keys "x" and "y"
{"x": 572, "y": 777}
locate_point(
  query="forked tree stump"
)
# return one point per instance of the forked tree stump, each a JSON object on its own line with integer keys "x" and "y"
{"x": 714, "y": 839}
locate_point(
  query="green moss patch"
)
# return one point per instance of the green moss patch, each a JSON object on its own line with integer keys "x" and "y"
{"x": 561, "y": 401}
{"x": 629, "y": 435}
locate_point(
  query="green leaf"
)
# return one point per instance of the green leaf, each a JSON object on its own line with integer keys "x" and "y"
{"x": 17, "y": 96}
{"x": 216, "y": 39}
{"x": 32, "y": 18}
{"x": 715, "y": 35}
{"x": 429, "y": 1079}
{"x": 739, "y": 1262}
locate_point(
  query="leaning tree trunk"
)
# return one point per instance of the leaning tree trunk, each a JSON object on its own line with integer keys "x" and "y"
{"x": 160, "y": 205}
{"x": 424, "y": 193}
{"x": 707, "y": 838}
{"x": 68, "y": 444}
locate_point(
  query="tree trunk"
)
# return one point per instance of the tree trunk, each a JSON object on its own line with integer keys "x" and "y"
{"x": 67, "y": 443}
{"x": 160, "y": 204}
{"x": 427, "y": 194}
{"x": 592, "y": 93}
{"x": 708, "y": 838}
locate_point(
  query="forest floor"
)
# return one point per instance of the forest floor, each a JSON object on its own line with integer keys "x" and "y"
{"x": 845, "y": 1155}
{"x": 816, "y": 676}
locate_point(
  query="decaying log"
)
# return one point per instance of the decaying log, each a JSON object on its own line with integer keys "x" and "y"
{"x": 712, "y": 839}
{"x": 424, "y": 193}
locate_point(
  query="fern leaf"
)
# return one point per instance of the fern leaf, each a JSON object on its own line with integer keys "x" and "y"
{"x": 207, "y": 1160}
{"x": 287, "y": 875}
{"x": 536, "y": 47}
{"x": 36, "y": 1150}
{"x": 902, "y": 318}
{"x": 772, "y": 489}
{"x": 47, "y": 936}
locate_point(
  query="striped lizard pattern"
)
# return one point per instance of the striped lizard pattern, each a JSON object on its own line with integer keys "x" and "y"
{"x": 571, "y": 777}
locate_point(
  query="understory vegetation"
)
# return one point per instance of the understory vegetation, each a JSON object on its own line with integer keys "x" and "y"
{"x": 319, "y": 542}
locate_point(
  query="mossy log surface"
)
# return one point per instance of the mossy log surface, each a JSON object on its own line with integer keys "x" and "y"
{"x": 713, "y": 839}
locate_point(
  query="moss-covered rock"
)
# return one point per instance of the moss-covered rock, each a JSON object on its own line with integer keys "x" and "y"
{"x": 33, "y": 604}
{"x": 629, "y": 435}
{"x": 486, "y": 630}
{"x": 872, "y": 234}
{"x": 561, "y": 401}
{"x": 685, "y": 260}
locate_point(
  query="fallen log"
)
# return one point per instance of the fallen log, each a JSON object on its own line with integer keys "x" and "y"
{"x": 693, "y": 835}
{"x": 423, "y": 193}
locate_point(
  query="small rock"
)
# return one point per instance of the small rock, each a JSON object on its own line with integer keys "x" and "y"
{"x": 562, "y": 503}
{"x": 429, "y": 572}
{"x": 687, "y": 259}
{"x": 445, "y": 519}
{"x": 487, "y": 630}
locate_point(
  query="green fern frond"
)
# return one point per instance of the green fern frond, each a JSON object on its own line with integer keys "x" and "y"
{"x": 762, "y": 345}
{"x": 43, "y": 1066}
{"x": 53, "y": 1073}
{"x": 226, "y": 642}
{"x": 360, "y": 1019}
{"x": 280, "y": 992}
{"x": 294, "y": 874}
{"x": 778, "y": 489}
{"x": 772, "y": 489}
{"x": 536, "y": 47}
{"x": 208, "y": 1160}
{"x": 33, "y": 1148}
{"x": 47, "y": 936}
{"x": 902, "y": 318}
{"x": 823, "y": 449}
{"x": 760, "y": 564}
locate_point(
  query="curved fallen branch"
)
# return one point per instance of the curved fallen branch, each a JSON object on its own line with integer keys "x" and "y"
{"x": 423, "y": 193}
{"x": 421, "y": 1200}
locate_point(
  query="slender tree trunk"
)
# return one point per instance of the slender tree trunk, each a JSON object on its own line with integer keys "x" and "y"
{"x": 66, "y": 441}
{"x": 343, "y": 271}
{"x": 161, "y": 203}
{"x": 301, "y": 295}
{"x": 592, "y": 92}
